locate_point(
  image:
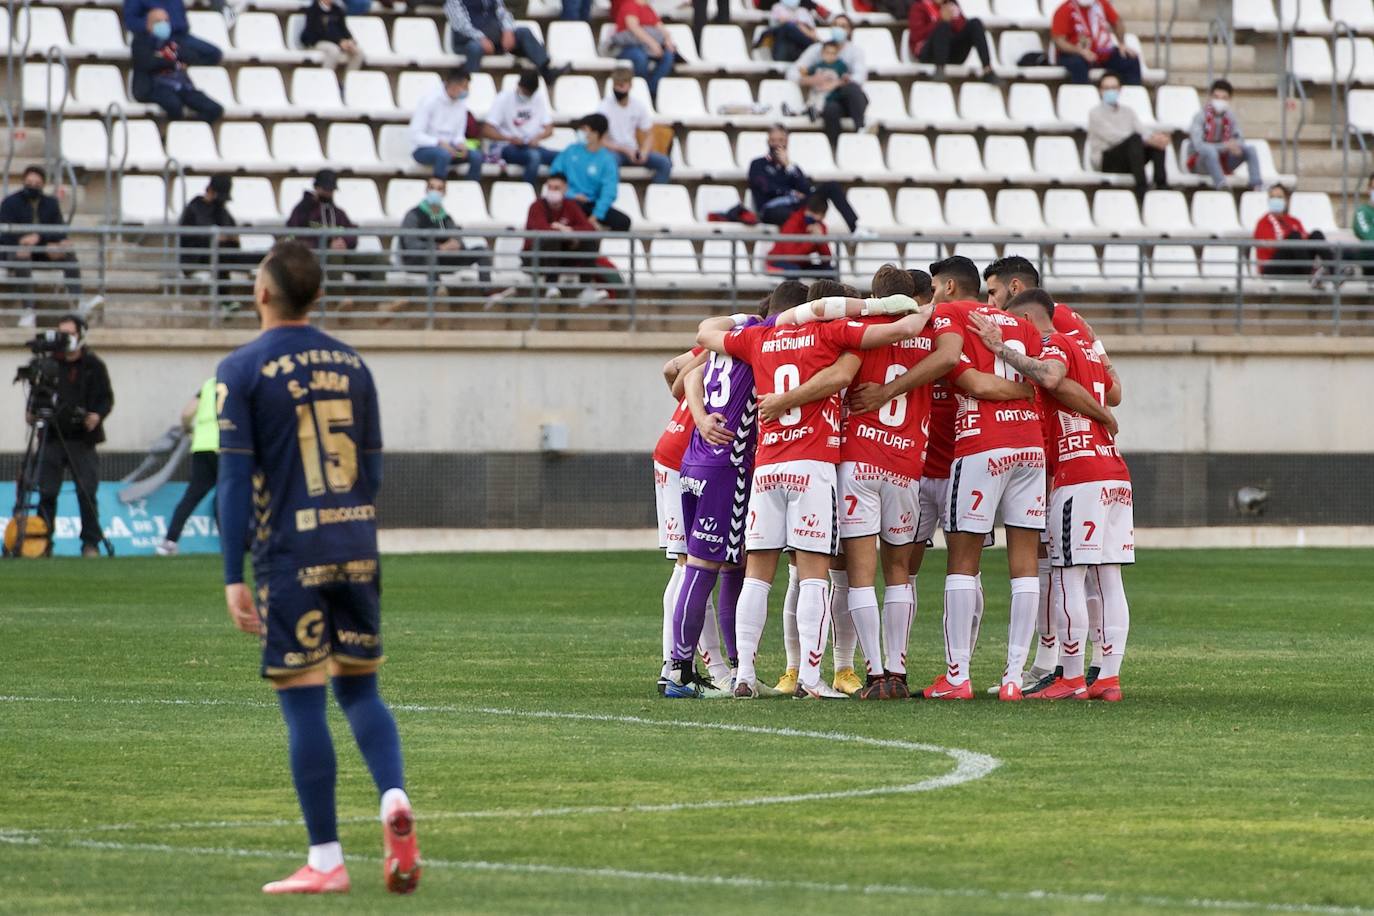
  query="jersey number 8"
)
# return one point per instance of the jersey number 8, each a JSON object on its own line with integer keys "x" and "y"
{"x": 893, "y": 413}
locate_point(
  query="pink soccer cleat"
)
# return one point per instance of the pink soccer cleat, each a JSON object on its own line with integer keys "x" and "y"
{"x": 309, "y": 881}
{"x": 400, "y": 850}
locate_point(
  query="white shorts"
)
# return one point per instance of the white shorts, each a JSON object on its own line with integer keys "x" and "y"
{"x": 1092, "y": 524}
{"x": 1009, "y": 482}
{"x": 934, "y": 506}
{"x": 672, "y": 534}
{"x": 792, "y": 507}
{"x": 874, "y": 500}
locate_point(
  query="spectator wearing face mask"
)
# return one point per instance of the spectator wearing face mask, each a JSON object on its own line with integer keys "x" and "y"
{"x": 844, "y": 95}
{"x": 940, "y": 34}
{"x": 159, "y": 64}
{"x": 439, "y": 249}
{"x": 195, "y": 52}
{"x": 810, "y": 257}
{"x": 1117, "y": 141}
{"x": 593, "y": 174}
{"x": 1090, "y": 33}
{"x": 519, "y": 121}
{"x": 441, "y": 125}
{"x": 569, "y": 255}
{"x": 780, "y": 188}
{"x": 630, "y": 134}
{"x": 791, "y": 28}
{"x": 1218, "y": 146}
{"x": 210, "y": 209}
{"x": 326, "y": 31}
{"x": 20, "y": 251}
{"x": 1300, "y": 260}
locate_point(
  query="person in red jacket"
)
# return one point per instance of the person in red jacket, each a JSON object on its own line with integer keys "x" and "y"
{"x": 547, "y": 258}
{"x": 1279, "y": 224}
{"x": 811, "y": 258}
{"x": 941, "y": 35}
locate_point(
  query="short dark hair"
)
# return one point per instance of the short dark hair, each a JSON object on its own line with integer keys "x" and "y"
{"x": 75, "y": 319}
{"x": 817, "y": 203}
{"x": 35, "y": 170}
{"x": 559, "y": 175}
{"x": 1013, "y": 267}
{"x": 830, "y": 44}
{"x": 529, "y": 81}
{"x": 458, "y": 74}
{"x": 1224, "y": 85}
{"x": 891, "y": 280}
{"x": 825, "y": 286}
{"x": 1035, "y": 296}
{"x": 295, "y": 274}
{"x": 595, "y": 122}
{"x": 922, "y": 281}
{"x": 789, "y": 293}
{"x": 1110, "y": 74}
{"x": 761, "y": 309}
{"x": 962, "y": 271}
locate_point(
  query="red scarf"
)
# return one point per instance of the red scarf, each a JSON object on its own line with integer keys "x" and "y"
{"x": 1093, "y": 23}
{"x": 1214, "y": 134}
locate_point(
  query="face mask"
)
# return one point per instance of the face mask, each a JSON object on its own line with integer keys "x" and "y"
{"x": 620, "y": 94}
{"x": 324, "y": 197}
{"x": 791, "y": 4}
{"x": 1111, "y": 96}
{"x": 584, "y": 136}
{"x": 162, "y": 30}
{"x": 1277, "y": 205}
{"x": 462, "y": 95}
{"x": 553, "y": 198}
{"x": 1220, "y": 105}
{"x": 33, "y": 193}
{"x": 434, "y": 198}
{"x": 838, "y": 34}
{"x": 1086, "y": 3}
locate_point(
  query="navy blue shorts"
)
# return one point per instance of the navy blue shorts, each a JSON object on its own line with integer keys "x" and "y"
{"x": 316, "y": 613}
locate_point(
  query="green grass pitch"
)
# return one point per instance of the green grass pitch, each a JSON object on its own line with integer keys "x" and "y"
{"x": 144, "y": 762}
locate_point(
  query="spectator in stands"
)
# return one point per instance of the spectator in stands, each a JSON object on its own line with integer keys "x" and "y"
{"x": 555, "y": 212}
{"x": 195, "y": 52}
{"x": 791, "y": 28}
{"x": 593, "y": 174}
{"x": 1117, "y": 141}
{"x": 780, "y": 188}
{"x": 1364, "y": 215}
{"x": 640, "y": 39}
{"x": 809, "y": 257}
{"x": 941, "y": 35}
{"x": 159, "y": 72}
{"x": 441, "y": 125}
{"x": 1300, "y": 260}
{"x": 845, "y": 96}
{"x": 631, "y": 135}
{"x": 20, "y": 251}
{"x": 339, "y": 252}
{"x": 327, "y": 32}
{"x": 824, "y": 88}
{"x": 211, "y": 209}
{"x": 427, "y": 252}
{"x": 1090, "y": 33}
{"x": 576, "y": 11}
{"x": 1217, "y": 143}
{"x": 519, "y": 121}
{"x": 481, "y": 26}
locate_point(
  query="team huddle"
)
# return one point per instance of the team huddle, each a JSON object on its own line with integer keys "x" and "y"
{"x": 842, "y": 430}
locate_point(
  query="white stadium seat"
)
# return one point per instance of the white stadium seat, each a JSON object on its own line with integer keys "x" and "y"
{"x": 1012, "y": 159}
{"x": 674, "y": 261}
{"x": 254, "y": 203}
{"x": 627, "y": 202}
{"x": 910, "y": 156}
{"x": 45, "y": 86}
{"x": 862, "y": 155}
{"x": 368, "y": 92}
{"x": 1137, "y": 98}
{"x": 919, "y": 211}
{"x": 1214, "y": 212}
{"x": 244, "y": 144}
{"x": 402, "y": 194}
{"x": 967, "y": 211}
{"x": 98, "y": 32}
{"x": 214, "y": 82}
{"x": 1032, "y": 104}
{"x": 1175, "y": 106}
{"x": 681, "y": 34}
{"x": 1066, "y": 211}
{"x": 317, "y": 90}
{"x": 351, "y": 146}
{"x": 417, "y": 38}
{"x": 715, "y": 198}
{"x": 573, "y": 42}
{"x": 576, "y": 95}
{"x": 958, "y": 155}
{"x": 259, "y": 36}
{"x": 1253, "y": 205}
{"x": 43, "y": 28}
{"x": 779, "y": 94}
{"x": 981, "y": 105}
{"x": 1312, "y": 60}
{"x": 510, "y": 202}
{"x": 1359, "y": 64}
{"x": 1313, "y": 208}
{"x": 1307, "y": 15}
{"x": 261, "y": 90}
{"x": 709, "y": 152}
{"x": 1075, "y": 262}
{"x": 1017, "y": 211}
{"x": 210, "y": 26}
{"x": 411, "y": 86}
{"x": 872, "y": 206}
{"x": 296, "y": 144}
{"x": 1361, "y": 109}
{"x": 932, "y": 105}
{"x": 680, "y": 99}
{"x": 667, "y": 205}
{"x": 465, "y": 198}
{"x": 1254, "y": 15}
{"x": 1117, "y": 213}
{"x": 1024, "y": 14}
{"x": 393, "y": 147}
{"x": 886, "y": 104}
{"x": 192, "y": 143}
{"x": 1174, "y": 262}
{"x": 360, "y": 198}
{"x": 723, "y": 46}
{"x": 1074, "y": 103}
{"x": 1358, "y": 14}
{"x": 725, "y": 94}
{"x": 1166, "y": 212}
{"x": 977, "y": 252}
{"x": 1058, "y": 157}
{"x": 143, "y": 199}
{"x": 1220, "y": 262}
{"x": 812, "y": 152}
{"x": 372, "y": 38}
{"x": 879, "y": 51}
{"x": 1123, "y": 263}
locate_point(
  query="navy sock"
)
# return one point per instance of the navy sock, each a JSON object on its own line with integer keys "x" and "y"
{"x": 373, "y": 728}
{"x": 313, "y": 766}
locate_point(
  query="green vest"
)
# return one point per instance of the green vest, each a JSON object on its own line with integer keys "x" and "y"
{"x": 205, "y": 432}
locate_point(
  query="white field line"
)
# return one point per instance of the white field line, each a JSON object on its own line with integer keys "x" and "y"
{"x": 729, "y": 881}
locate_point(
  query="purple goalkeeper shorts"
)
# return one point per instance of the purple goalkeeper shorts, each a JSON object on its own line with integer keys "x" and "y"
{"x": 715, "y": 503}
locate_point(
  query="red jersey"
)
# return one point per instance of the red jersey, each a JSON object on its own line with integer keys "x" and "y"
{"x": 1276, "y": 226}
{"x": 944, "y": 411}
{"x": 787, "y": 357}
{"x": 1084, "y": 451}
{"x": 982, "y": 426}
{"x": 893, "y": 437}
{"x": 673, "y": 443}
{"x": 1071, "y": 325}
{"x": 1093, "y": 26}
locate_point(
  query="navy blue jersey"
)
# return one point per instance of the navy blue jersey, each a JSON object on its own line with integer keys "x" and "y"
{"x": 303, "y": 405}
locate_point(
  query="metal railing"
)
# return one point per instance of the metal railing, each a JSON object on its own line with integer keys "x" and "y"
{"x": 54, "y": 109}
{"x": 391, "y": 278}
{"x": 1340, "y": 118}
{"x": 1219, "y": 34}
{"x": 1165, "y": 35}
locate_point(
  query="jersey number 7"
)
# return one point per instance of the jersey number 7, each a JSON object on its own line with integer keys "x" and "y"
{"x": 323, "y": 426}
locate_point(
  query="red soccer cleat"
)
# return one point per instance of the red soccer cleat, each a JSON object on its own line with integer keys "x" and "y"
{"x": 309, "y": 881}
{"x": 1010, "y": 693}
{"x": 1064, "y": 688}
{"x": 1107, "y": 689}
{"x": 400, "y": 850}
{"x": 942, "y": 689}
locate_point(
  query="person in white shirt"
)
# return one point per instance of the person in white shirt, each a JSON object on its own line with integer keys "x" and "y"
{"x": 440, "y": 127}
{"x": 518, "y": 121}
{"x": 631, "y": 135}
{"x": 845, "y": 95}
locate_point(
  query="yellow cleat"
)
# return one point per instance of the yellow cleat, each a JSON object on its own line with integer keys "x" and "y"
{"x": 787, "y": 684}
{"x": 847, "y": 682}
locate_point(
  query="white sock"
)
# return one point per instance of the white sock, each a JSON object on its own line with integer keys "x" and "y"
{"x": 1073, "y": 619}
{"x": 669, "y": 606}
{"x": 325, "y": 856}
{"x": 391, "y": 797}
{"x": 1047, "y": 643}
{"x": 813, "y": 625}
{"x": 709, "y": 645}
{"x": 961, "y": 605}
{"x": 751, "y": 613}
{"x": 845, "y": 636}
{"x": 977, "y": 613}
{"x": 1116, "y": 619}
{"x": 1025, "y": 601}
{"x": 789, "y": 620}
{"x": 899, "y": 612}
{"x": 1094, "y": 596}
{"x": 863, "y": 610}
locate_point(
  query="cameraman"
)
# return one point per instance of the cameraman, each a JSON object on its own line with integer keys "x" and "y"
{"x": 84, "y": 400}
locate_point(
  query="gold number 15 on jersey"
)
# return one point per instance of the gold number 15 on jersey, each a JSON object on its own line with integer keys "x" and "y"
{"x": 321, "y": 430}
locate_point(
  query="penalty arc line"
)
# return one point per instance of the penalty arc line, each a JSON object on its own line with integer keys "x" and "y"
{"x": 731, "y": 881}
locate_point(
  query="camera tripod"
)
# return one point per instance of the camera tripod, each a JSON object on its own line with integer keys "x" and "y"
{"x": 27, "y": 498}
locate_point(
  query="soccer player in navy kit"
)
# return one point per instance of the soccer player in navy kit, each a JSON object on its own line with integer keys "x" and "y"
{"x": 300, "y": 449}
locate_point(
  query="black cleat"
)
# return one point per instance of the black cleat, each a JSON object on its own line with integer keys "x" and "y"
{"x": 1092, "y": 675}
{"x": 1044, "y": 682}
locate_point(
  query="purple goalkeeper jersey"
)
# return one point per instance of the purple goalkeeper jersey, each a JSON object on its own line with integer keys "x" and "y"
{"x": 730, "y": 393}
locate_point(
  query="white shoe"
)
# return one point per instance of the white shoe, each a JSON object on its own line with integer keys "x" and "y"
{"x": 91, "y": 305}
{"x": 166, "y": 548}
{"x": 29, "y": 319}
{"x": 496, "y": 298}
{"x": 819, "y": 691}
{"x": 591, "y": 297}
{"x": 552, "y": 292}
{"x": 863, "y": 232}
